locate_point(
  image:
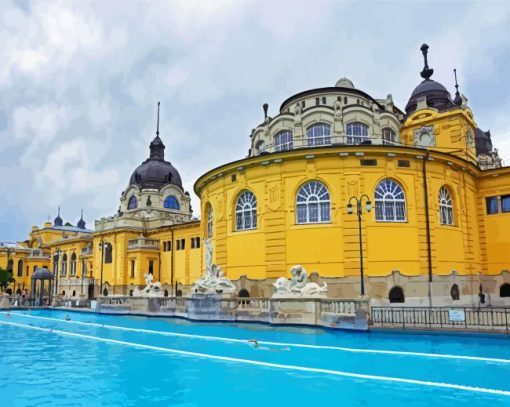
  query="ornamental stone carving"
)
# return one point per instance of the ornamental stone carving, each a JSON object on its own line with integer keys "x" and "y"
{"x": 298, "y": 286}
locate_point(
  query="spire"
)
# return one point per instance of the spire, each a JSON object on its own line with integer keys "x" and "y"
{"x": 426, "y": 73}
{"x": 81, "y": 222}
{"x": 157, "y": 126}
{"x": 58, "y": 220}
{"x": 458, "y": 99}
{"x": 157, "y": 147}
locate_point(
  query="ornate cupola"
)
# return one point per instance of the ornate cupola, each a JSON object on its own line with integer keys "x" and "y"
{"x": 58, "y": 220}
{"x": 155, "y": 172}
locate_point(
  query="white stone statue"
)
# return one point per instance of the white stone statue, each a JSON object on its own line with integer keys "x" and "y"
{"x": 213, "y": 281}
{"x": 151, "y": 289}
{"x": 298, "y": 286}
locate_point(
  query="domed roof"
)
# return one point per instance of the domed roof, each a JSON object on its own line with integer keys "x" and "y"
{"x": 155, "y": 172}
{"x": 436, "y": 95}
{"x": 344, "y": 83}
{"x": 58, "y": 220}
{"x": 42, "y": 274}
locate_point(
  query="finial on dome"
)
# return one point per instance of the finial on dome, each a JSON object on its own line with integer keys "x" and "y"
{"x": 157, "y": 147}
{"x": 81, "y": 222}
{"x": 457, "y": 100}
{"x": 344, "y": 83}
{"x": 265, "y": 106}
{"x": 427, "y": 72}
{"x": 157, "y": 126}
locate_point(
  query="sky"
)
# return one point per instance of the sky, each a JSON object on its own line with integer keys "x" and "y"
{"x": 80, "y": 81}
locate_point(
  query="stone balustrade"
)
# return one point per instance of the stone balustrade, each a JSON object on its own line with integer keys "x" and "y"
{"x": 38, "y": 254}
{"x": 142, "y": 243}
{"x": 333, "y": 313}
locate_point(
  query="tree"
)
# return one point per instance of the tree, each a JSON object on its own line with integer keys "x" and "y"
{"x": 5, "y": 278}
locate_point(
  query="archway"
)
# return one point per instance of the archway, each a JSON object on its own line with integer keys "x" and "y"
{"x": 396, "y": 295}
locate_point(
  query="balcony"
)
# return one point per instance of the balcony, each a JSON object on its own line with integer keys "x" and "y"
{"x": 143, "y": 243}
{"x": 38, "y": 254}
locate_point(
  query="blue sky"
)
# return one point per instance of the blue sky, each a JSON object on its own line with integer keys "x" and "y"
{"x": 79, "y": 83}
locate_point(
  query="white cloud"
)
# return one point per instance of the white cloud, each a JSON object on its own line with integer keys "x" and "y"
{"x": 79, "y": 82}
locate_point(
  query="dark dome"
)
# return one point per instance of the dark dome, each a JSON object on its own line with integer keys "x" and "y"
{"x": 436, "y": 95}
{"x": 42, "y": 274}
{"x": 155, "y": 172}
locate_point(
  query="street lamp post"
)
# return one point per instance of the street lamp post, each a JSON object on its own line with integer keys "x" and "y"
{"x": 359, "y": 211}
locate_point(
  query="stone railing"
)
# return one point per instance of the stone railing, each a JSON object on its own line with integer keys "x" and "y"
{"x": 38, "y": 254}
{"x": 142, "y": 243}
{"x": 334, "y": 313}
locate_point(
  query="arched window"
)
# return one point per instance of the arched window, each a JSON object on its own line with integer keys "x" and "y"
{"x": 209, "y": 221}
{"x": 246, "y": 211}
{"x": 454, "y": 292}
{"x": 283, "y": 141}
{"x": 504, "y": 290}
{"x": 313, "y": 203}
{"x": 108, "y": 253}
{"x": 357, "y": 133}
{"x": 63, "y": 269}
{"x": 74, "y": 293}
{"x": 390, "y": 202}
{"x": 445, "y": 207}
{"x": 396, "y": 295}
{"x": 10, "y": 265}
{"x": 105, "y": 292}
{"x": 133, "y": 203}
{"x": 165, "y": 293}
{"x": 389, "y": 136}
{"x": 73, "y": 265}
{"x": 171, "y": 202}
{"x": 244, "y": 293}
{"x": 319, "y": 134}
{"x": 20, "y": 268}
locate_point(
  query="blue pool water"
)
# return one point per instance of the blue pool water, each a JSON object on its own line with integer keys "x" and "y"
{"x": 101, "y": 360}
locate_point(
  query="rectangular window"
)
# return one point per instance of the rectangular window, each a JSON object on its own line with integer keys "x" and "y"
{"x": 28, "y": 270}
{"x": 233, "y": 178}
{"x": 132, "y": 269}
{"x": 192, "y": 242}
{"x": 324, "y": 100}
{"x": 169, "y": 245}
{"x": 404, "y": 163}
{"x": 151, "y": 267}
{"x": 198, "y": 243}
{"x": 370, "y": 162}
{"x": 303, "y": 104}
{"x": 492, "y": 205}
{"x": 317, "y": 102}
{"x": 178, "y": 244}
{"x": 505, "y": 203}
{"x": 183, "y": 244}
{"x": 345, "y": 100}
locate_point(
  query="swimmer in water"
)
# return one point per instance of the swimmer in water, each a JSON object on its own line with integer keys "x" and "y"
{"x": 67, "y": 317}
{"x": 255, "y": 345}
{"x": 7, "y": 315}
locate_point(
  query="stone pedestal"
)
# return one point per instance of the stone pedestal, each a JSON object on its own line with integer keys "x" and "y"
{"x": 4, "y": 301}
{"x": 211, "y": 307}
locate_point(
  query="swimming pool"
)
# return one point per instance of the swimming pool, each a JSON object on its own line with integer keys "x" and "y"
{"x": 94, "y": 360}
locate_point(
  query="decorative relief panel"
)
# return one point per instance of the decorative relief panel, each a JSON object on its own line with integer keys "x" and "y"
{"x": 425, "y": 136}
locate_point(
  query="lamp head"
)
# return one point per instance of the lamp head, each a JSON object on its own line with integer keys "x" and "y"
{"x": 349, "y": 208}
{"x": 369, "y": 206}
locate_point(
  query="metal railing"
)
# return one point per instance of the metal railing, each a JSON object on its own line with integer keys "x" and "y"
{"x": 442, "y": 317}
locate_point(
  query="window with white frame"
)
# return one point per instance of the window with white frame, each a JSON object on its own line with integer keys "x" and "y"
{"x": 319, "y": 134}
{"x": 389, "y": 135}
{"x": 445, "y": 207}
{"x": 357, "y": 133}
{"x": 313, "y": 203}
{"x": 209, "y": 221}
{"x": 63, "y": 269}
{"x": 246, "y": 211}
{"x": 72, "y": 271}
{"x": 283, "y": 141}
{"x": 390, "y": 202}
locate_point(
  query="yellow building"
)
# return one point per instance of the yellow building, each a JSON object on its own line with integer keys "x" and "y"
{"x": 436, "y": 233}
